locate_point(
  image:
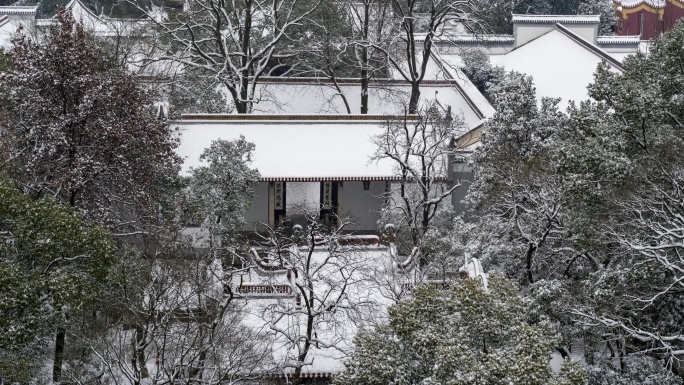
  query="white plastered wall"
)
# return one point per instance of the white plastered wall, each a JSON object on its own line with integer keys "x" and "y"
{"x": 526, "y": 32}
{"x": 258, "y": 211}
{"x": 362, "y": 206}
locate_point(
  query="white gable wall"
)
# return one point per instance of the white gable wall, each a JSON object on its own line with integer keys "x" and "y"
{"x": 525, "y": 33}
{"x": 560, "y": 67}
{"x": 529, "y": 27}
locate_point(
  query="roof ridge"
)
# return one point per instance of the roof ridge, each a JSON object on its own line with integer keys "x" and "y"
{"x": 636, "y": 3}
{"x": 478, "y": 112}
{"x": 483, "y": 38}
{"x": 591, "y": 47}
{"x": 296, "y": 117}
{"x": 70, "y": 5}
{"x": 570, "y": 19}
{"x": 617, "y": 39}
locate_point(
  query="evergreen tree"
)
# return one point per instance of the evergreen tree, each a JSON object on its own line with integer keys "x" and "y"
{"x": 465, "y": 335}
{"x": 52, "y": 266}
{"x": 586, "y": 206}
{"x": 81, "y": 130}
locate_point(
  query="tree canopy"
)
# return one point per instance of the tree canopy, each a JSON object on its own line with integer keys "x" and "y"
{"x": 584, "y": 205}
{"x": 52, "y": 263}
{"x": 463, "y": 335}
{"x": 82, "y": 130}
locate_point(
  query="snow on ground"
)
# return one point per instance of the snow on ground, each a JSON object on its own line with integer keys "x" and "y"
{"x": 364, "y": 305}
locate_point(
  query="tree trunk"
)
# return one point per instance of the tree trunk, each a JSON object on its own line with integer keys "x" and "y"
{"x": 415, "y": 98}
{"x": 59, "y": 355}
{"x": 364, "y": 91}
{"x": 528, "y": 262}
{"x": 139, "y": 353}
{"x": 240, "y": 107}
{"x": 364, "y": 60}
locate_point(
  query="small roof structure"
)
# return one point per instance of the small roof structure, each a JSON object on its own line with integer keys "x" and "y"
{"x": 636, "y": 3}
{"x": 298, "y": 148}
{"x": 11, "y": 19}
{"x": 23, "y": 11}
{"x": 100, "y": 25}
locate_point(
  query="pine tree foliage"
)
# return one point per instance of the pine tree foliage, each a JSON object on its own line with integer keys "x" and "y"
{"x": 478, "y": 68}
{"x": 646, "y": 104}
{"x": 464, "y": 335}
{"x": 80, "y": 129}
{"x": 220, "y": 192}
{"x": 514, "y": 185}
{"x": 52, "y": 265}
{"x": 586, "y": 207}
{"x": 639, "y": 370}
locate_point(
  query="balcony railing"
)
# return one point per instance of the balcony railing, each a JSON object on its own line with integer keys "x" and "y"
{"x": 264, "y": 290}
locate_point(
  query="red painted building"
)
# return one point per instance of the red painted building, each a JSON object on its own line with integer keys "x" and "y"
{"x": 647, "y": 18}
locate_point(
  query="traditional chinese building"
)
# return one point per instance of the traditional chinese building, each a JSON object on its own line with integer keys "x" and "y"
{"x": 647, "y": 18}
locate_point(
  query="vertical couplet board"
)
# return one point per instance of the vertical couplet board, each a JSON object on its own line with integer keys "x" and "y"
{"x": 279, "y": 201}
{"x": 329, "y": 196}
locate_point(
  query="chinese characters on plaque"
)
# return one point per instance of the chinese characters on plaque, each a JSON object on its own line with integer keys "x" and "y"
{"x": 327, "y": 195}
{"x": 278, "y": 195}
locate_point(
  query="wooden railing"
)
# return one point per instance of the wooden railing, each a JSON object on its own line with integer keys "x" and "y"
{"x": 264, "y": 290}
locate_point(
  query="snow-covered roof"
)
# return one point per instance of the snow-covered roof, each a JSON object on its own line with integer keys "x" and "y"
{"x": 619, "y": 39}
{"x": 636, "y": 3}
{"x": 482, "y": 38}
{"x": 553, "y": 19}
{"x": 78, "y": 10}
{"x": 100, "y": 25}
{"x": 470, "y": 94}
{"x": 386, "y": 96}
{"x": 294, "y": 148}
{"x": 589, "y": 46}
{"x": 9, "y": 27}
{"x": 18, "y": 10}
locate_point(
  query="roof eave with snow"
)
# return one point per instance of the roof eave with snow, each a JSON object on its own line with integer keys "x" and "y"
{"x": 18, "y": 10}
{"x": 304, "y": 148}
{"x": 554, "y": 19}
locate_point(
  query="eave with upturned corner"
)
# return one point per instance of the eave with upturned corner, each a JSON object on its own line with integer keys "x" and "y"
{"x": 659, "y": 6}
